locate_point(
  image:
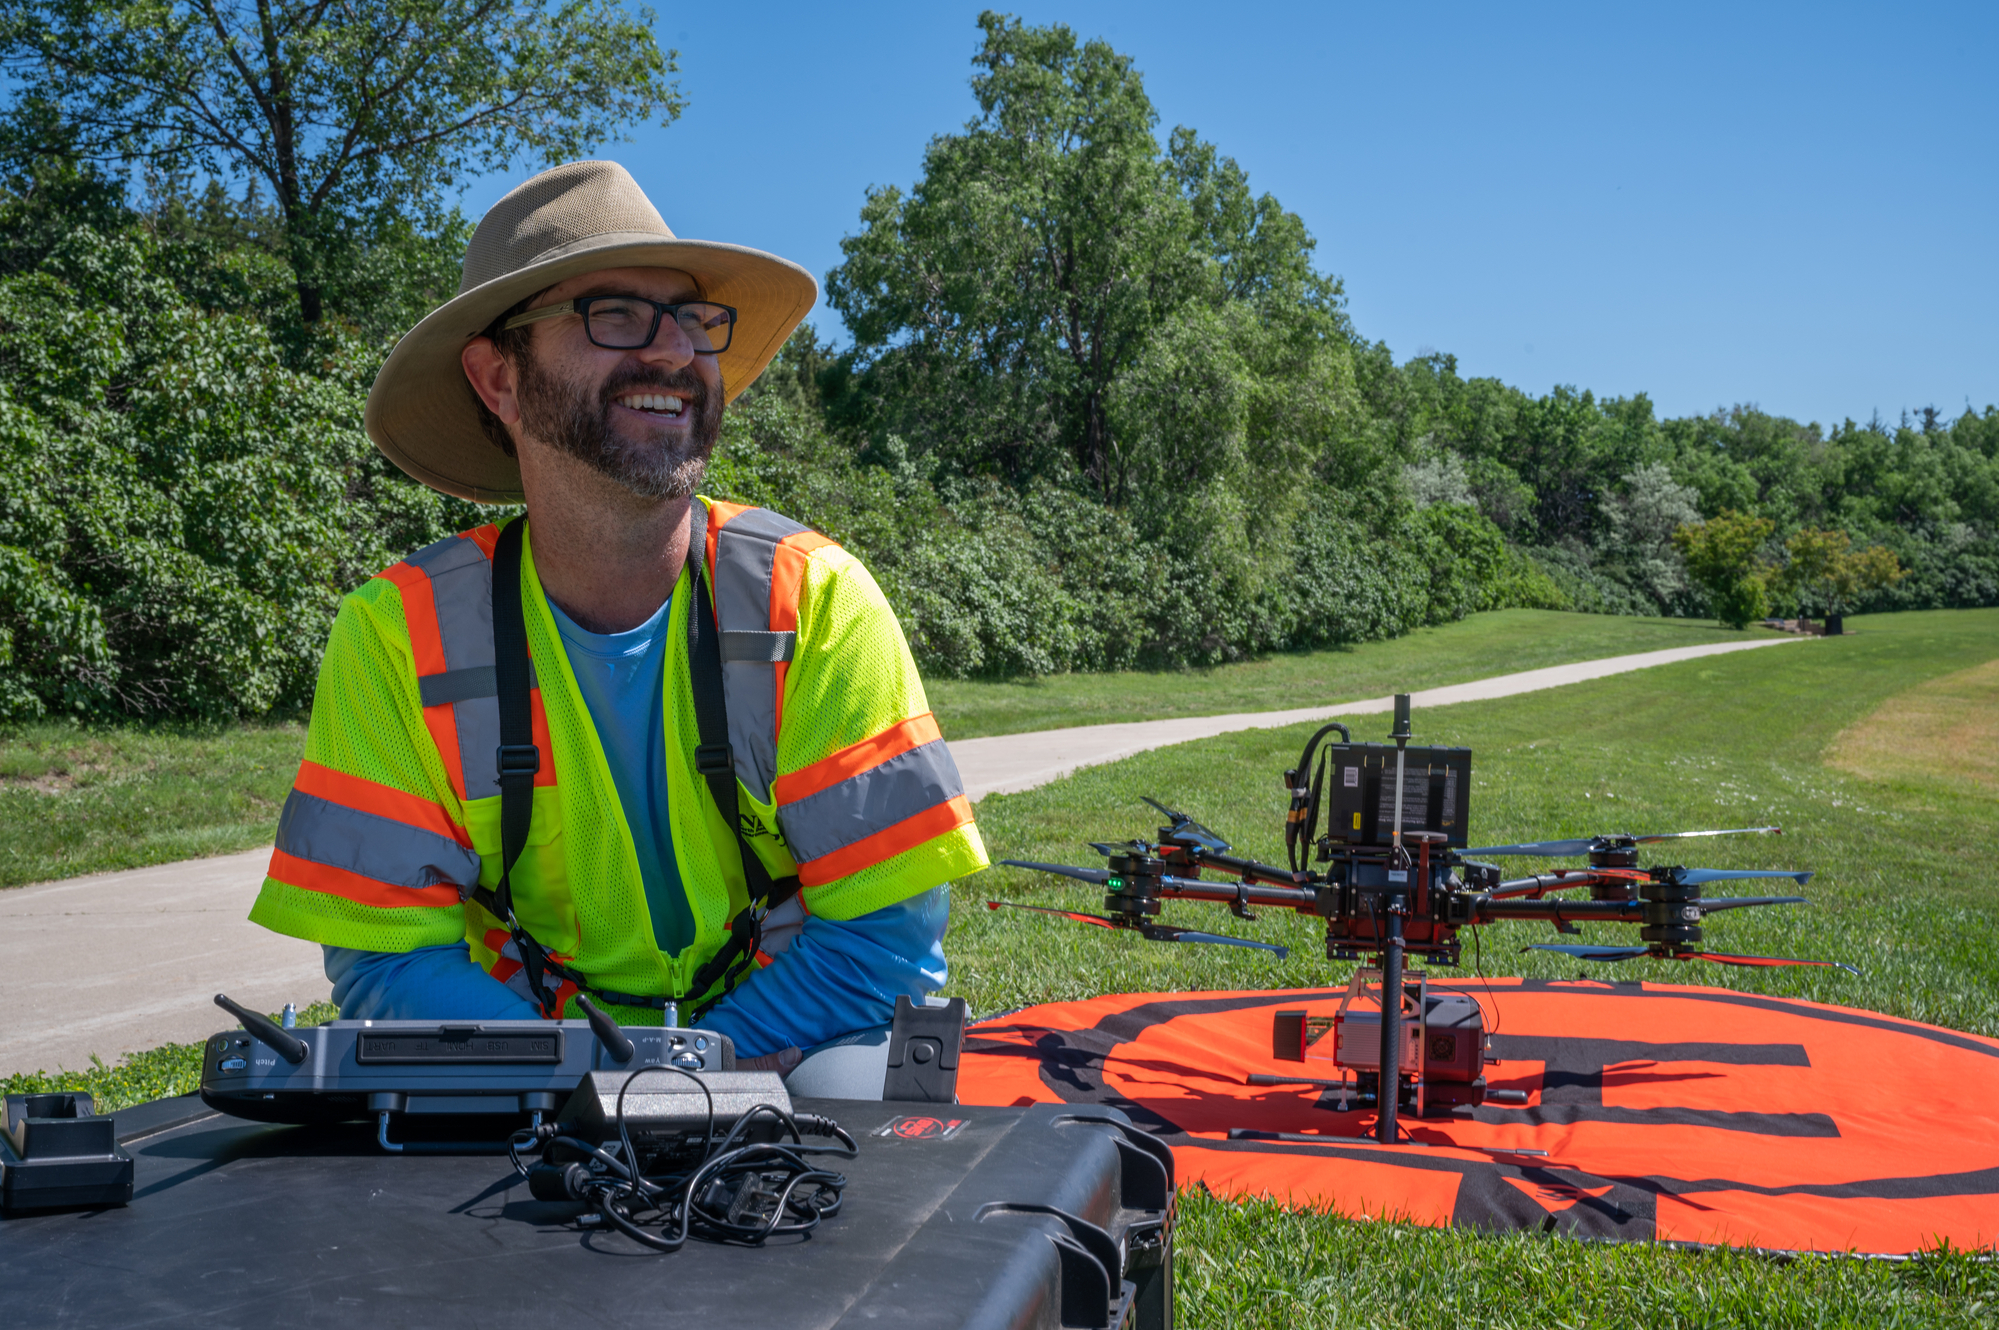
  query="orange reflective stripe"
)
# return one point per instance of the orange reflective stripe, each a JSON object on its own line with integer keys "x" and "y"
{"x": 442, "y": 723}
{"x": 787, "y": 576}
{"x": 485, "y": 537}
{"x": 420, "y": 614}
{"x": 381, "y": 800}
{"x": 856, "y": 758}
{"x": 887, "y": 843}
{"x": 352, "y": 886}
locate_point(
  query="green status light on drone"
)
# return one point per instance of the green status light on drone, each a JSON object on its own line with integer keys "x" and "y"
{"x": 1114, "y": 883}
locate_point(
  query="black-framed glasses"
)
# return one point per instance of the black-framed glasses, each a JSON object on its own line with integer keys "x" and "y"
{"x": 627, "y": 323}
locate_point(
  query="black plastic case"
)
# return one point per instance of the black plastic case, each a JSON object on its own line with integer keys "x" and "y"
{"x": 1036, "y": 1218}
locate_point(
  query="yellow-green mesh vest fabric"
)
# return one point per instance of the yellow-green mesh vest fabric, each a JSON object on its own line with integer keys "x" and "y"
{"x": 387, "y": 824}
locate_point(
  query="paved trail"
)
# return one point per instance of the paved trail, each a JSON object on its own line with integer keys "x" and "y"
{"x": 119, "y": 961}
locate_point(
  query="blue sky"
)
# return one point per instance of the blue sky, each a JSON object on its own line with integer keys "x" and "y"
{"x": 1790, "y": 205}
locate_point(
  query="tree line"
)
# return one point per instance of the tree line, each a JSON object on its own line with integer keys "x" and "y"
{"x": 1101, "y": 407}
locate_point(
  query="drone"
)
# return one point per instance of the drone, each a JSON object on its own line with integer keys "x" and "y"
{"x": 1394, "y": 878}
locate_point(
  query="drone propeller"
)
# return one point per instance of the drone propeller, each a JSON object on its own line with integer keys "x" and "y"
{"x": 1586, "y": 953}
{"x": 1187, "y": 827}
{"x": 1095, "y": 920}
{"x": 1709, "y": 906}
{"x": 1592, "y": 953}
{"x": 1550, "y": 849}
{"x": 1151, "y": 932}
{"x": 1098, "y": 876}
{"x": 1696, "y": 876}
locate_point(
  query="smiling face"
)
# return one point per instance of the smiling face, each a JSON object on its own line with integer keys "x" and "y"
{"x": 646, "y": 418}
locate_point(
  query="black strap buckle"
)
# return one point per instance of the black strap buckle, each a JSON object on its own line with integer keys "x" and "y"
{"x": 714, "y": 759}
{"x": 518, "y": 760}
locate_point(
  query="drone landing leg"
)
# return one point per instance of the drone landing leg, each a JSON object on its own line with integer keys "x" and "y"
{"x": 1388, "y": 1096}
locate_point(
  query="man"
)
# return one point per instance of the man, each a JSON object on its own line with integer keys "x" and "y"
{"x": 636, "y": 745}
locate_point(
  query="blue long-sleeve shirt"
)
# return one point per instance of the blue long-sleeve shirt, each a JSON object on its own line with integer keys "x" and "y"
{"x": 837, "y": 976}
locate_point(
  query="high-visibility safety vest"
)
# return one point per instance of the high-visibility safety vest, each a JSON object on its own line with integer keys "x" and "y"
{"x": 842, "y": 777}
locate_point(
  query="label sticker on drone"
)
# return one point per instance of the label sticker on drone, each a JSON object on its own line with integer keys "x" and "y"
{"x": 1353, "y": 778}
{"x": 921, "y": 1129}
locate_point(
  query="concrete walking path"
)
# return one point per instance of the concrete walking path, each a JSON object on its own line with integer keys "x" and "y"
{"x": 1008, "y": 763}
{"x": 116, "y": 962}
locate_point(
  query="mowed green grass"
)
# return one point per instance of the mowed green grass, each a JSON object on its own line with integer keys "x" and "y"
{"x": 1500, "y": 642}
{"x": 78, "y": 800}
{"x": 1904, "y": 890}
{"x": 83, "y": 800}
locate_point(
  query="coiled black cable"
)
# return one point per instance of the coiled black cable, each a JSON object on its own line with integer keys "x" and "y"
{"x": 736, "y": 1192}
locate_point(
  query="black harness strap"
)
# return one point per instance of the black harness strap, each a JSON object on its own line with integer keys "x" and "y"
{"x": 716, "y": 762}
{"x": 519, "y": 760}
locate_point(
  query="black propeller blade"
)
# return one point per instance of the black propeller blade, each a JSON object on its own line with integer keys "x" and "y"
{"x": 1151, "y": 932}
{"x": 1726, "y": 959}
{"x": 1696, "y": 876}
{"x": 1593, "y": 953}
{"x": 1099, "y": 876}
{"x": 1167, "y": 933}
{"x": 1550, "y": 849}
{"x": 1740, "y": 902}
{"x": 1187, "y": 828}
{"x": 1589, "y": 953}
{"x": 1097, "y": 920}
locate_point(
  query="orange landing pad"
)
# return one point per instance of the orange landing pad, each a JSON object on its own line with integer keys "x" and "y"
{"x": 1684, "y": 1114}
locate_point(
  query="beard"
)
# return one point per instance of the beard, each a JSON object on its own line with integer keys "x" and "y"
{"x": 576, "y": 419}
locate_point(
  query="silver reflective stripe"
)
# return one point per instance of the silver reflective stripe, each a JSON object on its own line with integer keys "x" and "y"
{"x": 464, "y": 685}
{"x": 457, "y": 685}
{"x": 758, "y": 648}
{"x": 877, "y": 798}
{"x": 781, "y": 926}
{"x": 518, "y": 980}
{"x": 461, "y": 586}
{"x": 323, "y": 832}
{"x": 745, "y": 552}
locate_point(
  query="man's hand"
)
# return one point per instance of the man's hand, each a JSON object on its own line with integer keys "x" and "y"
{"x": 780, "y": 1062}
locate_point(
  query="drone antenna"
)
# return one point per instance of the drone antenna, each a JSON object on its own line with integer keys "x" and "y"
{"x": 1401, "y": 736}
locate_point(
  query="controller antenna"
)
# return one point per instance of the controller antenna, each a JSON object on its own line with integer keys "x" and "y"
{"x": 266, "y": 1031}
{"x": 608, "y": 1034}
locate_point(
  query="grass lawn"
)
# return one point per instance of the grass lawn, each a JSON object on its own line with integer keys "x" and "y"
{"x": 1872, "y": 750}
{"x": 1902, "y": 836}
{"x": 1501, "y": 642}
{"x": 79, "y": 800}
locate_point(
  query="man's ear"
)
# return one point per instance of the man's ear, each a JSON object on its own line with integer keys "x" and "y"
{"x": 492, "y": 378}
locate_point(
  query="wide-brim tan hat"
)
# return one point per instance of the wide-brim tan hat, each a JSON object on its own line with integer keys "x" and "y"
{"x": 577, "y": 218}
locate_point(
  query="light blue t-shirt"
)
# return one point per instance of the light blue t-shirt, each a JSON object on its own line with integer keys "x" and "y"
{"x": 621, "y": 676}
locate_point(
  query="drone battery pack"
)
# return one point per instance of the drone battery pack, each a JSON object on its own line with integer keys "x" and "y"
{"x": 1360, "y": 793}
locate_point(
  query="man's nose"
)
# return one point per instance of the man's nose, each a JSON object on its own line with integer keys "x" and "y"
{"x": 670, "y": 347}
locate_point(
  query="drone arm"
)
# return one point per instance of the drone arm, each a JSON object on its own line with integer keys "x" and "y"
{"x": 1252, "y": 870}
{"x": 1227, "y": 893}
{"x": 1487, "y": 909}
{"x": 1532, "y": 887}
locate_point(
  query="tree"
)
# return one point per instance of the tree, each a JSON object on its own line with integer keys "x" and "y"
{"x": 354, "y": 116}
{"x": 1721, "y": 556}
{"x": 1825, "y": 570}
{"x": 1050, "y": 251}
